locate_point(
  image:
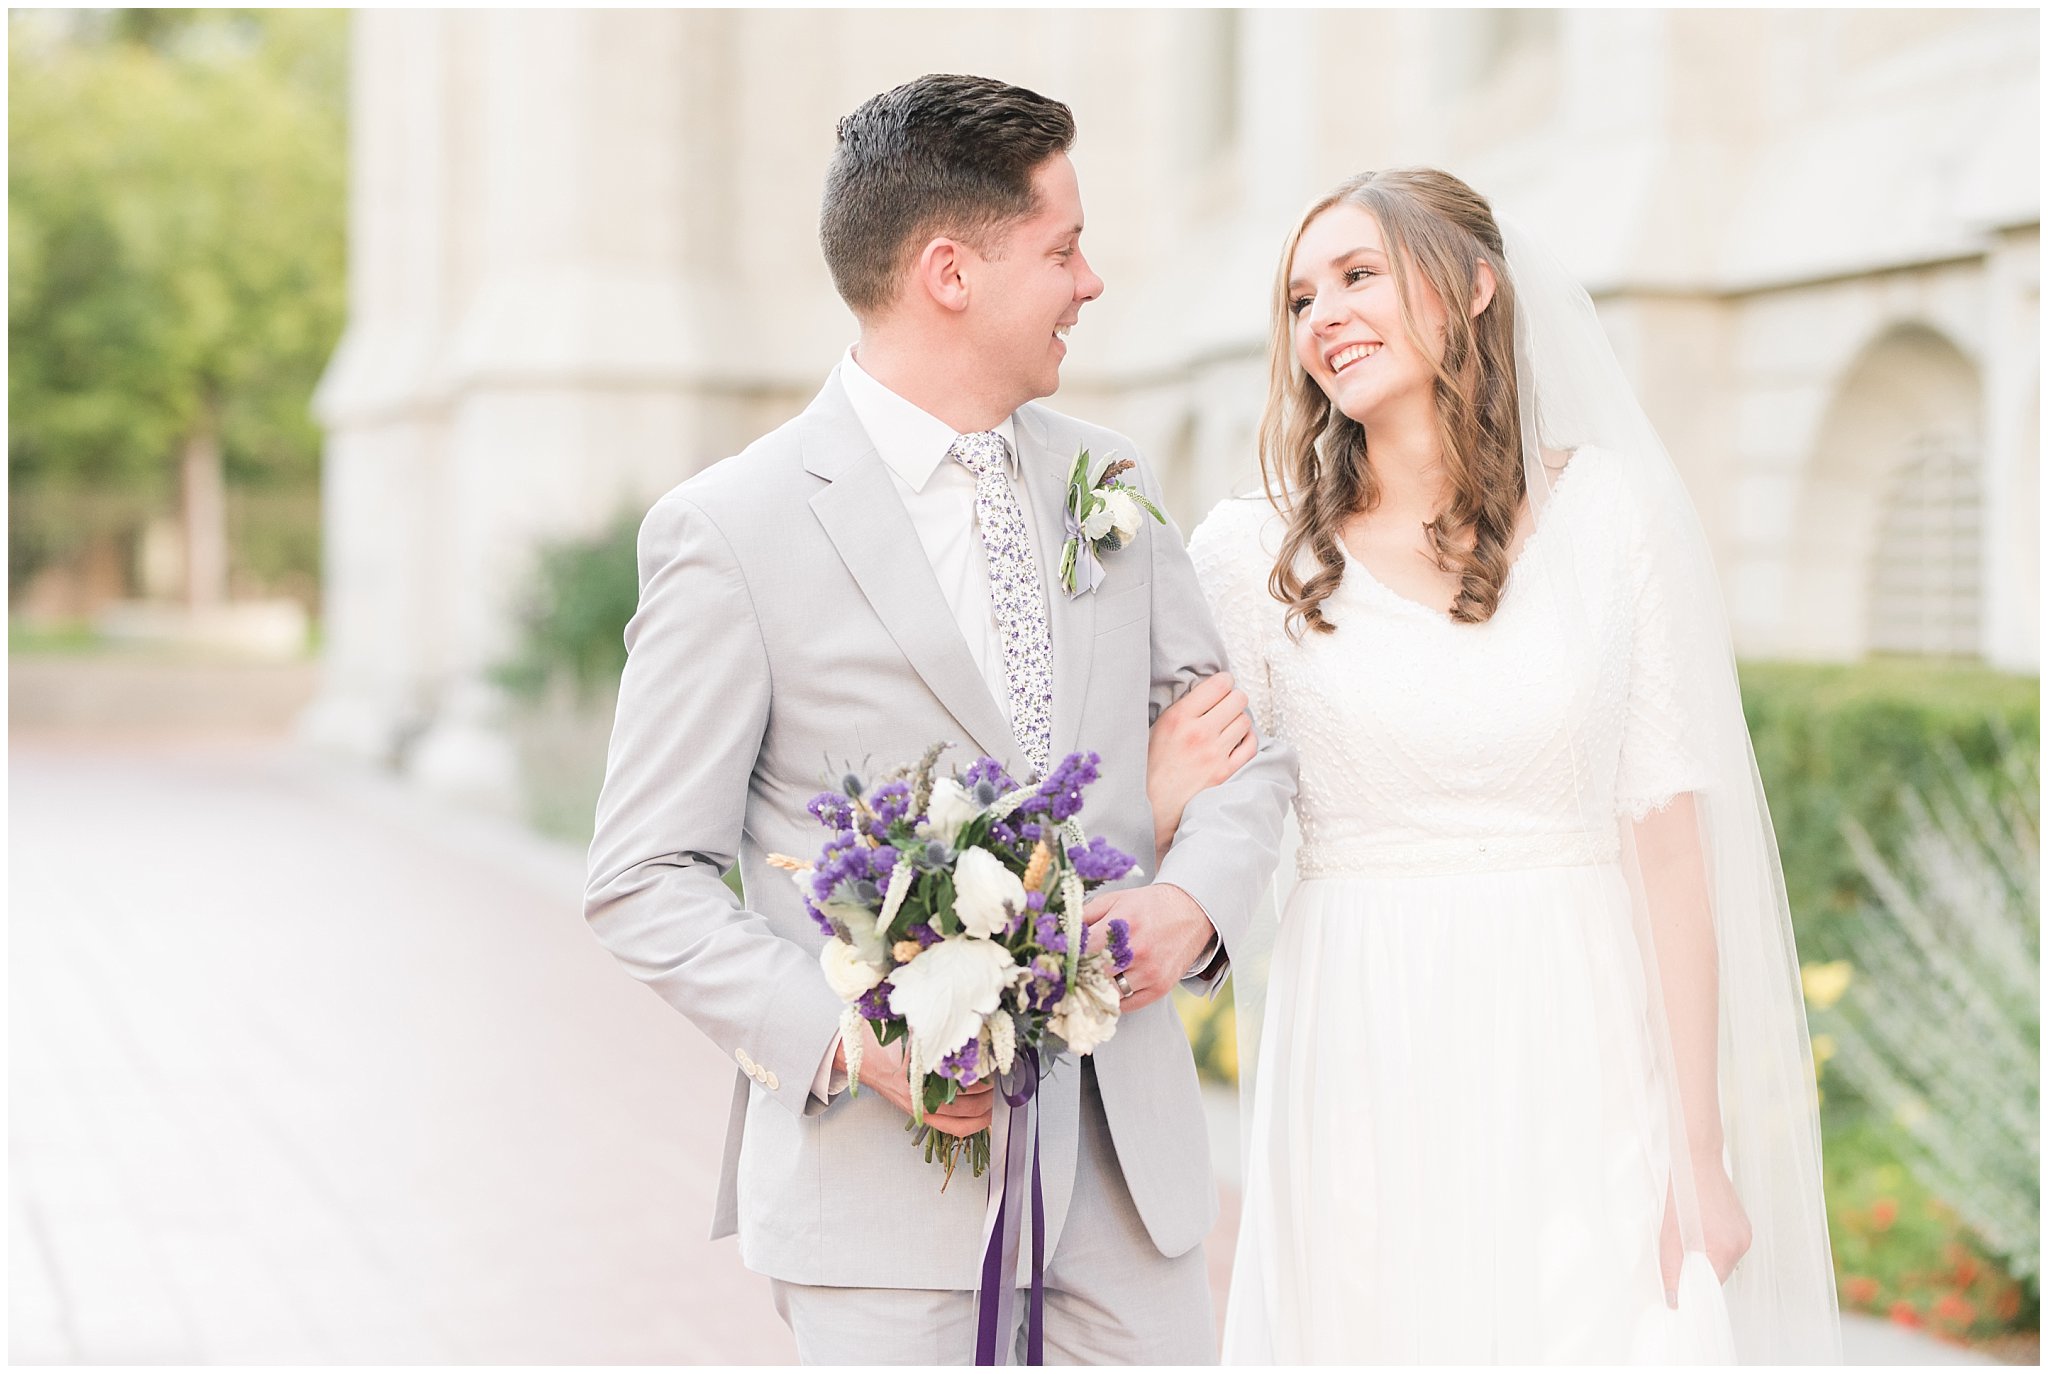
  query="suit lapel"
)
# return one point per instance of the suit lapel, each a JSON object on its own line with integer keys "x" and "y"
{"x": 866, "y": 522}
{"x": 1071, "y": 620}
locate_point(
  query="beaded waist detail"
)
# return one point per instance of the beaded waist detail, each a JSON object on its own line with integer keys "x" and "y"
{"x": 1378, "y": 858}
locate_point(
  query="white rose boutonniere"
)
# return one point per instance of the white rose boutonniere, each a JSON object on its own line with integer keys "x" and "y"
{"x": 1102, "y": 517}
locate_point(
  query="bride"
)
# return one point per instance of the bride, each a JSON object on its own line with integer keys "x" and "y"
{"x": 1532, "y": 1077}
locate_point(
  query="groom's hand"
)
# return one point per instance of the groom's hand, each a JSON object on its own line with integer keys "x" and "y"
{"x": 883, "y": 1069}
{"x": 1169, "y": 930}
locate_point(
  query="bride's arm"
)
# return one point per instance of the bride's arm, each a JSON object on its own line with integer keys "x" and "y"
{"x": 1197, "y": 742}
{"x": 1671, "y": 863}
{"x": 1674, "y": 877}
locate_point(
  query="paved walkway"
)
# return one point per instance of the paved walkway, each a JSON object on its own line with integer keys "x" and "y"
{"x": 307, "y": 1068}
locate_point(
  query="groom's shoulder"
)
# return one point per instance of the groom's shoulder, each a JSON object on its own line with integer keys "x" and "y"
{"x": 1067, "y": 435}
{"x": 753, "y": 484}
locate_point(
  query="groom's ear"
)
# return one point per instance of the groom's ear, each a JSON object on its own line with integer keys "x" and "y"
{"x": 939, "y": 273}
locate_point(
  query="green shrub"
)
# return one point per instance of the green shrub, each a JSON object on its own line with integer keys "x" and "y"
{"x": 573, "y": 620}
{"x": 1840, "y": 742}
{"x": 1903, "y": 1254}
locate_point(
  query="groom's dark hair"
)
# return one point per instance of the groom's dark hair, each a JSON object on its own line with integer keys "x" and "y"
{"x": 949, "y": 155}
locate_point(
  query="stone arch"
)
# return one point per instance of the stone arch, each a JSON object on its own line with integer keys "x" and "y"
{"x": 1886, "y": 549}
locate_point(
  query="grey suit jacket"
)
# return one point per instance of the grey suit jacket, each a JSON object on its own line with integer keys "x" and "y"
{"x": 789, "y": 625}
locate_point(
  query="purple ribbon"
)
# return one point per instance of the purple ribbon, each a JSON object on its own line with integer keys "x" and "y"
{"x": 1002, "y": 1227}
{"x": 1087, "y": 567}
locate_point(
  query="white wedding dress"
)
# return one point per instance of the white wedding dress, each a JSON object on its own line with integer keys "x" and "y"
{"x": 1457, "y": 1145}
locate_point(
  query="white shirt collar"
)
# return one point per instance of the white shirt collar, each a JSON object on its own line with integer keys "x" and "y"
{"x": 911, "y": 440}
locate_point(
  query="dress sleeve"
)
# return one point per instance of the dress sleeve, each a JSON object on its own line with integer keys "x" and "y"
{"x": 1232, "y": 566}
{"x": 1666, "y": 670}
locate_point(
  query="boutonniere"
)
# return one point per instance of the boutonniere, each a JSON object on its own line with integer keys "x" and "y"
{"x": 1101, "y": 518}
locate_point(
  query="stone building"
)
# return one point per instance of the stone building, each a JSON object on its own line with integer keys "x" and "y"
{"x": 585, "y": 265}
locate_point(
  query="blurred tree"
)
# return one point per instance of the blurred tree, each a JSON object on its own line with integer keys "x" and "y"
{"x": 176, "y": 216}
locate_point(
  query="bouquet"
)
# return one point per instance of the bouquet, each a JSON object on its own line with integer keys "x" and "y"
{"x": 954, "y": 907}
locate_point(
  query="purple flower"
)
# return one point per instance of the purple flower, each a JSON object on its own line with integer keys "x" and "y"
{"x": 833, "y": 811}
{"x": 1059, "y": 796}
{"x": 963, "y": 1065}
{"x": 882, "y": 862}
{"x": 890, "y": 803}
{"x": 1098, "y": 861}
{"x": 1120, "y": 943}
{"x": 1048, "y": 983}
{"x": 987, "y": 770}
{"x": 925, "y": 936}
{"x": 1001, "y": 833}
{"x": 874, "y": 1003}
{"x": 1035, "y": 900}
{"x": 1050, "y": 937}
{"x": 819, "y": 917}
{"x": 844, "y": 860}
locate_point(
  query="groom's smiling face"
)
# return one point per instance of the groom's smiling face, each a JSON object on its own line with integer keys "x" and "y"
{"x": 1029, "y": 290}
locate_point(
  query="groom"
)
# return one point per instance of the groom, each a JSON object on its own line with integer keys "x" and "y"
{"x": 874, "y": 576}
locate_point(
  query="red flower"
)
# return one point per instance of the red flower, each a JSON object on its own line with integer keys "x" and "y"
{"x": 1967, "y": 1270}
{"x": 1883, "y": 1213}
{"x": 1902, "y": 1312}
{"x": 1953, "y": 1308}
{"x": 1860, "y": 1289}
{"x": 2008, "y": 1304}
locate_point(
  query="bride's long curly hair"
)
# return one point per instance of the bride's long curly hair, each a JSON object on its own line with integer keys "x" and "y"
{"x": 1318, "y": 458}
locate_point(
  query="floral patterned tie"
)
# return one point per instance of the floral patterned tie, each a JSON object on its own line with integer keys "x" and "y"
{"x": 1015, "y": 589}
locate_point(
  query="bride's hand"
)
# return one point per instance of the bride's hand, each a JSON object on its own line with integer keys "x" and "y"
{"x": 1724, "y": 1228}
{"x": 1197, "y": 742}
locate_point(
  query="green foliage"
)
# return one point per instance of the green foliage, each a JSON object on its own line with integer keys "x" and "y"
{"x": 176, "y": 215}
{"x": 1841, "y": 742}
{"x": 1903, "y": 1254}
{"x": 573, "y": 623}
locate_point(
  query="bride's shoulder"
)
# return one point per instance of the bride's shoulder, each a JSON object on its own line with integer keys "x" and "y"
{"x": 1635, "y": 503}
{"x": 1239, "y": 530}
{"x": 1589, "y": 477}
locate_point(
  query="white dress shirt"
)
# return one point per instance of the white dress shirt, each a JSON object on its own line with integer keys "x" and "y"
{"x": 939, "y": 495}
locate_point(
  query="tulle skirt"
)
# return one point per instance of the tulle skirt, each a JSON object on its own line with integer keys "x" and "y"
{"x": 1457, "y": 1148}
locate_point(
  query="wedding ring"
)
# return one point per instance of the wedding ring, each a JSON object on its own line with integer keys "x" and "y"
{"x": 1123, "y": 985}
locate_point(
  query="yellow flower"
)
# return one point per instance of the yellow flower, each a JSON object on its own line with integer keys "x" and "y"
{"x": 1825, "y": 983}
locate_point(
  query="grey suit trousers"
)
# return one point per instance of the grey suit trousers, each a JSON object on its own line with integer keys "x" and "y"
{"x": 1111, "y": 1297}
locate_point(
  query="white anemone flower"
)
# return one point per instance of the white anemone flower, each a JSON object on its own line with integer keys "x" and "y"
{"x": 950, "y": 808}
{"x": 947, "y": 992}
{"x": 982, "y": 884}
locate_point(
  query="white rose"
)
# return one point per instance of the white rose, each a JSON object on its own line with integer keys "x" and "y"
{"x": 1124, "y": 512}
{"x": 981, "y": 885}
{"x": 947, "y": 992}
{"x": 846, "y": 972}
{"x": 951, "y": 807}
{"x": 1086, "y": 1016}
{"x": 1100, "y": 523}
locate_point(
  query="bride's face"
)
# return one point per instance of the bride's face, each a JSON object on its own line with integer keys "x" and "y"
{"x": 1347, "y": 325}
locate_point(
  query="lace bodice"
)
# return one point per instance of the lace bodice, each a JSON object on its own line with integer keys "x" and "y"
{"x": 1429, "y": 746}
